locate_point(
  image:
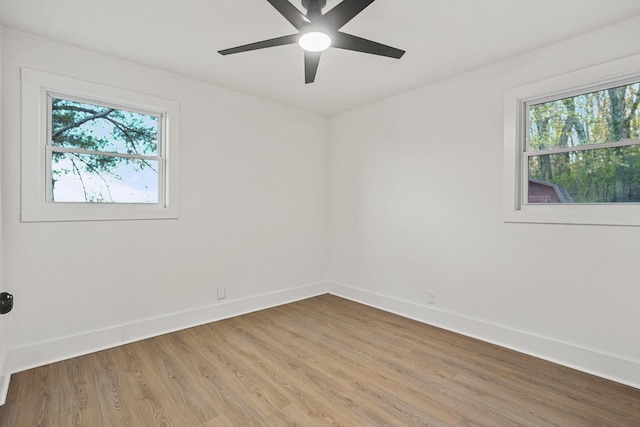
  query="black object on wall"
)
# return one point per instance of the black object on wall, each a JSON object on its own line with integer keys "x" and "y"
{"x": 6, "y": 302}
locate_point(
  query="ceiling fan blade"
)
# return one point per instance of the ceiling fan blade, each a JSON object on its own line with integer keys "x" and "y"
{"x": 290, "y": 13}
{"x": 344, "y": 12}
{"x": 311, "y": 61}
{"x": 278, "y": 41}
{"x": 358, "y": 44}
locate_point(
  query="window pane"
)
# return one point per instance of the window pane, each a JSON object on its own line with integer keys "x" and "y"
{"x": 605, "y": 175}
{"x": 604, "y": 116}
{"x": 103, "y": 179}
{"x": 94, "y": 127}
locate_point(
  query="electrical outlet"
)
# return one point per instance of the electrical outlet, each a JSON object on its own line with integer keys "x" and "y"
{"x": 221, "y": 293}
{"x": 431, "y": 297}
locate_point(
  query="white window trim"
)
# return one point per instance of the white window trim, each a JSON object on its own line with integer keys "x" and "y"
{"x": 514, "y": 209}
{"x": 36, "y": 86}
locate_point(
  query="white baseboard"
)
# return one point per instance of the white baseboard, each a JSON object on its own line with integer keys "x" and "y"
{"x": 4, "y": 377}
{"x": 603, "y": 365}
{"x": 39, "y": 354}
{"x": 593, "y": 362}
{"x": 4, "y": 388}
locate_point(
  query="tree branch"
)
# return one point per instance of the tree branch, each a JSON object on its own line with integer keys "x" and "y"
{"x": 130, "y": 140}
{"x": 63, "y": 129}
{"x": 92, "y": 169}
{"x": 75, "y": 168}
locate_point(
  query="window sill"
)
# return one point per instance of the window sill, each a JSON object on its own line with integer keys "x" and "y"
{"x": 625, "y": 215}
{"x": 50, "y": 212}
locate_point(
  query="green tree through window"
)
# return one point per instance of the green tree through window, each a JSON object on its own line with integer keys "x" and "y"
{"x": 103, "y": 154}
{"x": 587, "y": 147}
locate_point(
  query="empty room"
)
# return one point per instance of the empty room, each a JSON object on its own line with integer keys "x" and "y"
{"x": 310, "y": 213}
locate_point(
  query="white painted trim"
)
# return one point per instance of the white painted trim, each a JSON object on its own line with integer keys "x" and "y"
{"x": 4, "y": 377}
{"x": 4, "y": 388}
{"x": 594, "y": 362}
{"x": 39, "y": 354}
{"x": 35, "y": 89}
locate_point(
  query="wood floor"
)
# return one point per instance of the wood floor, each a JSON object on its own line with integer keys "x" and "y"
{"x": 321, "y": 361}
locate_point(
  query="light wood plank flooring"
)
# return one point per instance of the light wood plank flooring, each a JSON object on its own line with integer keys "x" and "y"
{"x": 321, "y": 361}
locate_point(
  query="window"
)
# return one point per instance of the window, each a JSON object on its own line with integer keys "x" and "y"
{"x": 101, "y": 154}
{"x": 572, "y": 147}
{"x": 584, "y": 147}
{"x": 92, "y": 152}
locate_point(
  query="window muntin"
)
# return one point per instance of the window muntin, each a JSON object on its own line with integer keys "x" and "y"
{"x": 100, "y": 153}
{"x": 584, "y": 148}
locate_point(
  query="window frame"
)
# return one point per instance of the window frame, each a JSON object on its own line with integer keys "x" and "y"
{"x": 515, "y": 169}
{"x": 37, "y": 89}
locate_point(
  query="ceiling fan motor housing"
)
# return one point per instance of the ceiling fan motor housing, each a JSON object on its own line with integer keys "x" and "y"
{"x": 314, "y": 7}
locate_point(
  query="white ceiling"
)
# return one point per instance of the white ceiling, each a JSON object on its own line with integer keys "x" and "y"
{"x": 441, "y": 37}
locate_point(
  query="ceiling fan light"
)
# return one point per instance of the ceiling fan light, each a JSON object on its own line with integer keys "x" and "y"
{"x": 314, "y": 41}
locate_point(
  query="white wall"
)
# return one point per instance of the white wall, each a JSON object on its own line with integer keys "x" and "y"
{"x": 415, "y": 205}
{"x": 253, "y": 218}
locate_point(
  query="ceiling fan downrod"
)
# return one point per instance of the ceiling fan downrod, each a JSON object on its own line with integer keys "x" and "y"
{"x": 314, "y": 8}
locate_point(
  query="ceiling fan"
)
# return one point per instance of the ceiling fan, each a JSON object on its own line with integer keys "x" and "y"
{"x": 318, "y": 31}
